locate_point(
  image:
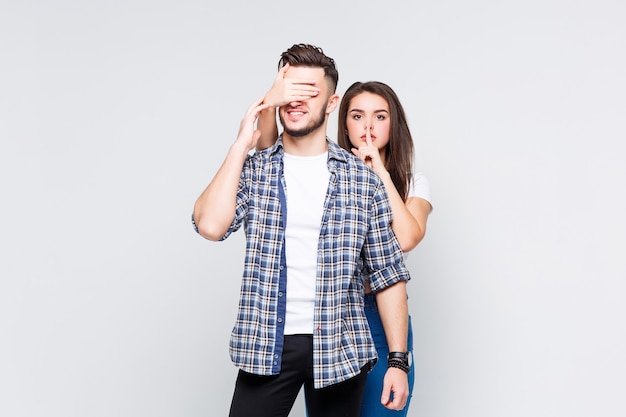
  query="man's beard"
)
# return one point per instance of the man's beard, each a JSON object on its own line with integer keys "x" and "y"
{"x": 315, "y": 124}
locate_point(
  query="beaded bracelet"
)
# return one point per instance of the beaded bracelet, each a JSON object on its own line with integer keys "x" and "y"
{"x": 400, "y": 364}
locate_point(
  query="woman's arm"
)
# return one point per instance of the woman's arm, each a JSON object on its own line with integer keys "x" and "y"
{"x": 409, "y": 218}
{"x": 266, "y": 124}
{"x": 284, "y": 91}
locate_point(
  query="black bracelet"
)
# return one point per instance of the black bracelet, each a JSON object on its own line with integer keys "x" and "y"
{"x": 398, "y": 355}
{"x": 395, "y": 363}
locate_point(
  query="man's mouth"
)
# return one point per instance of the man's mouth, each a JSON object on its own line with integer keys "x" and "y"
{"x": 295, "y": 114}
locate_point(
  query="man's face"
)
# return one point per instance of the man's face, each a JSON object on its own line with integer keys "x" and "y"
{"x": 299, "y": 118}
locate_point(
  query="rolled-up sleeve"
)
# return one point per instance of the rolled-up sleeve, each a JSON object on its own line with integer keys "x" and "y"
{"x": 382, "y": 254}
{"x": 241, "y": 207}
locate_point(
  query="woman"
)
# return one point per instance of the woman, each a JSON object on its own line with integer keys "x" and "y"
{"x": 373, "y": 126}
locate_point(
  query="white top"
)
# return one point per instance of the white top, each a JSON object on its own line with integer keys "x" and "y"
{"x": 306, "y": 179}
{"x": 420, "y": 187}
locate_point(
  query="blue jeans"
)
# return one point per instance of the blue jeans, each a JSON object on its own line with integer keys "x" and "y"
{"x": 371, "y": 406}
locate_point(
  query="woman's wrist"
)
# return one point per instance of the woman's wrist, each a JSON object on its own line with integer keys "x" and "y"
{"x": 383, "y": 173}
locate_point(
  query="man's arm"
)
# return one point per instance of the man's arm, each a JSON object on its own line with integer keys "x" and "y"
{"x": 387, "y": 277}
{"x": 214, "y": 210}
{"x": 394, "y": 314}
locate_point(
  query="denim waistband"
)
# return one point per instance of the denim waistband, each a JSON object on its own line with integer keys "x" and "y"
{"x": 370, "y": 299}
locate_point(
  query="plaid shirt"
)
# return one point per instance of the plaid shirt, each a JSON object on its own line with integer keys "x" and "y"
{"x": 355, "y": 241}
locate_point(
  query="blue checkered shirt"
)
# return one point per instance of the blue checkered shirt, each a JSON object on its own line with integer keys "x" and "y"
{"x": 355, "y": 243}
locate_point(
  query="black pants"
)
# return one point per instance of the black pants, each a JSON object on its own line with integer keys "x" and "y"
{"x": 273, "y": 396}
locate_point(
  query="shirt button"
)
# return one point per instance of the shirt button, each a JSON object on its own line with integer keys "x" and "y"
{"x": 275, "y": 355}
{"x": 282, "y": 267}
{"x": 280, "y": 319}
{"x": 280, "y": 294}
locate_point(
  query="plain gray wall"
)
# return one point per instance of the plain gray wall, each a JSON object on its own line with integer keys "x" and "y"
{"x": 114, "y": 115}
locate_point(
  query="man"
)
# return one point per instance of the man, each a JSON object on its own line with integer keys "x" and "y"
{"x": 317, "y": 223}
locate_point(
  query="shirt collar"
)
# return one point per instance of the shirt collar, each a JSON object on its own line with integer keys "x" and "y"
{"x": 334, "y": 150}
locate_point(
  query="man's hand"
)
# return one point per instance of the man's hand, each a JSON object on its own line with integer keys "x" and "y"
{"x": 248, "y": 135}
{"x": 287, "y": 90}
{"x": 396, "y": 384}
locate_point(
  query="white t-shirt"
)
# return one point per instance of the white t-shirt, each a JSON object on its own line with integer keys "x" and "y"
{"x": 306, "y": 179}
{"x": 419, "y": 187}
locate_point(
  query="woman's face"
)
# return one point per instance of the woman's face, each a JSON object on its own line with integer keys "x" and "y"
{"x": 368, "y": 111}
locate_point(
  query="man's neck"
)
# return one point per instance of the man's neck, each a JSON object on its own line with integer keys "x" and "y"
{"x": 309, "y": 145}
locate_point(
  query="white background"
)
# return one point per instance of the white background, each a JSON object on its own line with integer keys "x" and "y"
{"x": 114, "y": 115}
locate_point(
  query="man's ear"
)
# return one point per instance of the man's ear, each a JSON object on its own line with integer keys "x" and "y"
{"x": 333, "y": 101}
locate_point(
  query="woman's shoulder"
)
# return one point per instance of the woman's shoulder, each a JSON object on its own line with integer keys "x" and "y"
{"x": 420, "y": 187}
